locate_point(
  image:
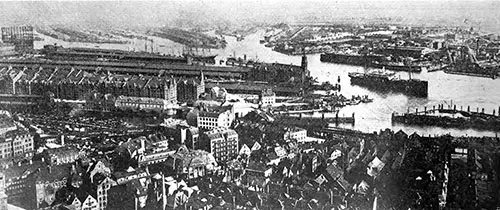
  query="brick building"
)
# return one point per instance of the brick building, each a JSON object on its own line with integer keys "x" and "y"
{"x": 190, "y": 89}
{"x": 73, "y": 84}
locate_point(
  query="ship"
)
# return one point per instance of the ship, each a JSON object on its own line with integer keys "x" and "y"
{"x": 396, "y": 66}
{"x": 465, "y": 62}
{"x": 384, "y": 81}
{"x": 351, "y": 58}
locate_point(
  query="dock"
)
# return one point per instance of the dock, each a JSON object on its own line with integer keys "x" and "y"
{"x": 451, "y": 118}
{"x": 314, "y": 122}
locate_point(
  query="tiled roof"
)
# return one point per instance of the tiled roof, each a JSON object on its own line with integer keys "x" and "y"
{"x": 53, "y": 173}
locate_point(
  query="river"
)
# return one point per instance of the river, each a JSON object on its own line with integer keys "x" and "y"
{"x": 447, "y": 89}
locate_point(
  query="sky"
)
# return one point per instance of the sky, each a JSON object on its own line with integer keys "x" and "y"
{"x": 221, "y": 13}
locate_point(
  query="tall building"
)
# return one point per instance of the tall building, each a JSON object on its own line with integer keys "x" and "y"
{"x": 210, "y": 119}
{"x": 20, "y": 36}
{"x": 190, "y": 89}
{"x": 222, "y": 143}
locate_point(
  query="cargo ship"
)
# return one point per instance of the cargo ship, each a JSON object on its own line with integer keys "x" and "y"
{"x": 384, "y": 81}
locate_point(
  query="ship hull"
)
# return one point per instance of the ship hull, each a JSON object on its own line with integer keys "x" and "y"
{"x": 416, "y": 88}
{"x": 397, "y": 67}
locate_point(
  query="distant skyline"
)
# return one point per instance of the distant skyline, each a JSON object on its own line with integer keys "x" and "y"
{"x": 222, "y": 13}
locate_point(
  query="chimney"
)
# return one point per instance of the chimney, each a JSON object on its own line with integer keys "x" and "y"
{"x": 164, "y": 196}
{"x": 62, "y": 139}
{"x": 183, "y": 135}
{"x": 143, "y": 144}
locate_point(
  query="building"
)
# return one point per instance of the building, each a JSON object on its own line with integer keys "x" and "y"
{"x": 191, "y": 163}
{"x": 72, "y": 84}
{"x": 7, "y": 50}
{"x": 61, "y": 155}
{"x": 143, "y": 104}
{"x": 15, "y": 140}
{"x": 192, "y": 137}
{"x": 103, "y": 186}
{"x": 88, "y": 202}
{"x": 17, "y": 180}
{"x": 295, "y": 133}
{"x": 3, "y": 196}
{"x": 20, "y": 36}
{"x": 48, "y": 180}
{"x": 222, "y": 143}
{"x": 267, "y": 97}
{"x": 190, "y": 89}
{"x": 280, "y": 73}
{"x": 210, "y": 119}
{"x": 99, "y": 102}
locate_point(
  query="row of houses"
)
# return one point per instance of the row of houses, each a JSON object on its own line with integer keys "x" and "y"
{"x": 15, "y": 139}
{"x": 74, "y": 84}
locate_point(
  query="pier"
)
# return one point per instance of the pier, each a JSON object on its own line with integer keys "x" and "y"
{"x": 314, "y": 122}
{"x": 451, "y": 117}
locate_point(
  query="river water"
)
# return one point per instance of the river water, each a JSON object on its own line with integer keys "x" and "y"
{"x": 446, "y": 89}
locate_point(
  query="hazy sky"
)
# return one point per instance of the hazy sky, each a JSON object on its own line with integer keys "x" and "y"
{"x": 228, "y": 12}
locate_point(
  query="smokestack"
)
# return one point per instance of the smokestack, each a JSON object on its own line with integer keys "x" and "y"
{"x": 163, "y": 190}
{"x": 143, "y": 144}
{"x": 183, "y": 135}
{"x": 62, "y": 140}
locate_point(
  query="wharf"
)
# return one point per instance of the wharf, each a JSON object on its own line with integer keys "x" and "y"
{"x": 437, "y": 68}
{"x": 450, "y": 118}
{"x": 315, "y": 122}
{"x": 308, "y": 111}
{"x": 254, "y": 88}
{"x": 493, "y": 76}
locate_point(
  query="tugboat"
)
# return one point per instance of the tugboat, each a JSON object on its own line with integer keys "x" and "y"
{"x": 387, "y": 82}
